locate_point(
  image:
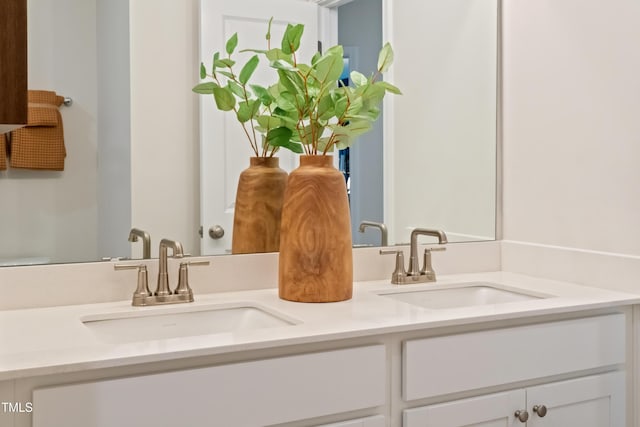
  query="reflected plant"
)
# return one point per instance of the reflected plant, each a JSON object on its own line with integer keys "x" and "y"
{"x": 308, "y": 109}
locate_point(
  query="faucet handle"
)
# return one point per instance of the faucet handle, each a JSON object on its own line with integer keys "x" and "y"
{"x": 427, "y": 268}
{"x": 183, "y": 289}
{"x": 399, "y": 273}
{"x": 142, "y": 289}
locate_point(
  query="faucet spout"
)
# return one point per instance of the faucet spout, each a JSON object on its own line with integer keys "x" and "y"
{"x": 136, "y": 233}
{"x": 414, "y": 264}
{"x": 384, "y": 239}
{"x": 163, "y": 276}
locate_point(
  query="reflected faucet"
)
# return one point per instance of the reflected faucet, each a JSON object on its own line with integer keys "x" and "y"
{"x": 384, "y": 239}
{"x": 136, "y": 233}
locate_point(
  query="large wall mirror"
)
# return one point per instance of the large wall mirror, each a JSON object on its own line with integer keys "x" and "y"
{"x": 133, "y": 132}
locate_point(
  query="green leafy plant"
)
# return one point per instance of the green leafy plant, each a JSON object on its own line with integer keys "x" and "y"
{"x": 307, "y": 109}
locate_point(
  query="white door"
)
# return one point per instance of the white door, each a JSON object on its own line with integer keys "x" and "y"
{"x": 493, "y": 410}
{"x": 224, "y": 149}
{"x": 596, "y": 401}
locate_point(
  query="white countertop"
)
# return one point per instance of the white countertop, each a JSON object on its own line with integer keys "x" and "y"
{"x": 54, "y": 340}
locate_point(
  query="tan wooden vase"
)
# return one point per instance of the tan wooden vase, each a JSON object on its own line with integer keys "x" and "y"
{"x": 256, "y": 218}
{"x": 316, "y": 263}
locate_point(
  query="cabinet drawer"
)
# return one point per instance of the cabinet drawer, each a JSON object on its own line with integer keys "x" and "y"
{"x": 254, "y": 393}
{"x": 449, "y": 364}
{"x": 375, "y": 421}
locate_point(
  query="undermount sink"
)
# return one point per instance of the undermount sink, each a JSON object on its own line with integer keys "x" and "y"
{"x": 463, "y": 295}
{"x": 174, "y": 322}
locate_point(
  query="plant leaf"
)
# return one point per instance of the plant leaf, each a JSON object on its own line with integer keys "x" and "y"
{"x": 289, "y": 118}
{"x": 358, "y": 127}
{"x": 281, "y": 137}
{"x": 248, "y": 69}
{"x": 269, "y": 122}
{"x": 280, "y": 64}
{"x": 385, "y": 58}
{"x": 373, "y": 94}
{"x": 216, "y": 57}
{"x": 232, "y": 43}
{"x": 275, "y": 54}
{"x": 325, "y": 108}
{"x": 205, "y": 88}
{"x": 224, "y": 63}
{"x": 340, "y": 105}
{"x": 354, "y": 107}
{"x": 330, "y": 66}
{"x": 236, "y": 89}
{"x": 287, "y": 102}
{"x": 203, "y": 71}
{"x": 227, "y": 74}
{"x": 358, "y": 78}
{"x": 322, "y": 144}
{"x": 244, "y": 112}
{"x": 225, "y": 100}
{"x": 390, "y": 88}
{"x": 262, "y": 94}
{"x": 291, "y": 81}
{"x": 291, "y": 38}
{"x": 255, "y": 107}
{"x": 260, "y": 51}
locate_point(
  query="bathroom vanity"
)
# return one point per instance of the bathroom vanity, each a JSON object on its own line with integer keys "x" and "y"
{"x": 494, "y": 349}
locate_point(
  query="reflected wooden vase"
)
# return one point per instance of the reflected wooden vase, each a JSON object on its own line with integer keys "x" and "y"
{"x": 316, "y": 262}
{"x": 258, "y": 208}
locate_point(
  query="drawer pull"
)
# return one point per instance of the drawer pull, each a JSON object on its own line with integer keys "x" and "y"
{"x": 541, "y": 410}
{"x": 522, "y": 416}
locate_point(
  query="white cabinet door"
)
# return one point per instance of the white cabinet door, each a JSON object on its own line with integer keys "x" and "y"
{"x": 493, "y": 410}
{"x": 596, "y": 401}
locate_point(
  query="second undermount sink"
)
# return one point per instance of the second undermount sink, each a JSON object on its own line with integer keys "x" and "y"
{"x": 462, "y": 295}
{"x": 157, "y": 324}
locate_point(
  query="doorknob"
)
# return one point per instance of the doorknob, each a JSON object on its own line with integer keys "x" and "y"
{"x": 541, "y": 410}
{"x": 522, "y": 416}
{"x": 216, "y": 232}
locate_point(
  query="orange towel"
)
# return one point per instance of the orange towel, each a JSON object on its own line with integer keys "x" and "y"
{"x": 3, "y": 152}
{"x": 40, "y": 144}
{"x": 45, "y": 97}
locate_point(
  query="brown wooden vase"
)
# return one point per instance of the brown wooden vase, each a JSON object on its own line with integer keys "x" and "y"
{"x": 316, "y": 263}
{"x": 256, "y": 218}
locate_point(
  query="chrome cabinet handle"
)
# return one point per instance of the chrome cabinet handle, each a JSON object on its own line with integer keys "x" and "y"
{"x": 522, "y": 416}
{"x": 216, "y": 232}
{"x": 540, "y": 410}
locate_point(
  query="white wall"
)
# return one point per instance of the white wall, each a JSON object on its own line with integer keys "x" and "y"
{"x": 572, "y": 136}
{"x": 164, "y": 114}
{"x": 114, "y": 128}
{"x": 445, "y": 122}
{"x": 53, "y": 214}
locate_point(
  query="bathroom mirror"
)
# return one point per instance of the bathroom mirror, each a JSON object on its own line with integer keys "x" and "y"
{"x": 132, "y": 132}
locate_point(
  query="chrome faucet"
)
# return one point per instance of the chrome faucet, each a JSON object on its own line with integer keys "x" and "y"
{"x": 163, "y": 294}
{"x": 384, "y": 239}
{"x": 415, "y": 274}
{"x": 136, "y": 233}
